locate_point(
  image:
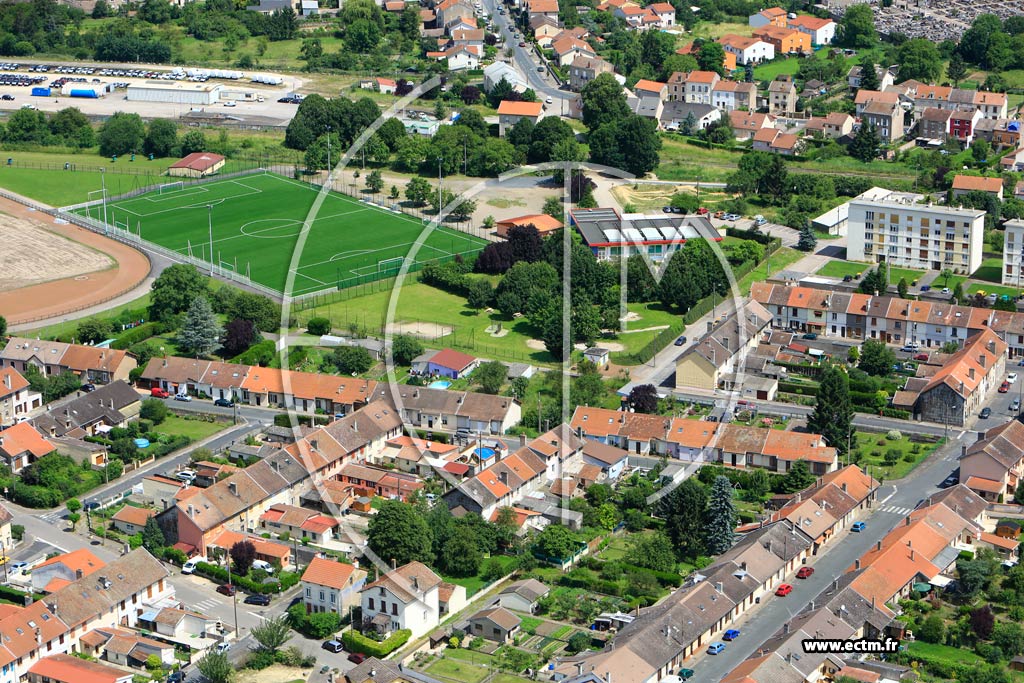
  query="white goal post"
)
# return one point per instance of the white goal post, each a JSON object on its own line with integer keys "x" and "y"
{"x": 390, "y": 264}
{"x": 172, "y": 187}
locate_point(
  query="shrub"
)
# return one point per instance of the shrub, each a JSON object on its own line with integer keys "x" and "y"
{"x": 893, "y": 435}
{"x": 356, "y": 642}
{"x": 260, "y": 659}
{"x": 909, "y": 457}
{"x": 153, "y": 410}
{"x": 318, "y": 326}
{"x": 135, "y": 335}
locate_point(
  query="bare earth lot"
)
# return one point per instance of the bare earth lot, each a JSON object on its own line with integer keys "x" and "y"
{"x": 33, "y": 254}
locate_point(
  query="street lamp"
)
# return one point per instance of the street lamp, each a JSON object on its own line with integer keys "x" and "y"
{"x": 234, "y": 591}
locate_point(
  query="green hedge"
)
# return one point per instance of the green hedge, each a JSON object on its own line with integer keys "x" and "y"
{"x": 356, "y": 642}
{"x": 647, "y": 352}
{"x": 895, "y": 412}
{"x": 136, "y": 334}
{"x": 16, "y": 596}
{"x": 798, "y": 388}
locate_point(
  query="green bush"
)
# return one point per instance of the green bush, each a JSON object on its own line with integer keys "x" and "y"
{"x": 135, "y": 335}
{"x": 260, "y": 659}
{"x": 356, "y": 642}
{"x": 318, "y": 326}
{"x": 318, "y": 625}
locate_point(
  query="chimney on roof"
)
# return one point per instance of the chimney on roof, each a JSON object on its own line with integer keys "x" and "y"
{"x": 416, "y": 393}
{"x": 78, "y": 574}
{"x": 622, "y": 418}
{"x": 872, "y": 602}
{"x": 522, "y": 440}
{"x": 743, "y": 566}
{"x": 415, "y": 583}
{"x": 911, "y": 554}
{"x": 878, "y": 545}
{"x": 843, "y": 486}
{"x": 856, "y": 564}
{"x": 233, "y": 488}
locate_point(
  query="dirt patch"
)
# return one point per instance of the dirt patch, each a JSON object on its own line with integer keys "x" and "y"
{"x": 501, "y": 203}
{"x": 275, "y": 673}
{"x": 651, "y": 197}
{"x": 34, "y": 254}
{"x": 536, "y": 345}
{"x": 420, "y": 329}
{"x": 126, "y": 269}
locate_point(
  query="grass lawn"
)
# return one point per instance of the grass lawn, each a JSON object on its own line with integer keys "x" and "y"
{"x": 715, "y": 30}
{"x": 457, "y": 670}
{"x": 194, "y": 429}
{"x": 991, "y": 270}
{"x": 530, "y": 624}
{"x": 471, "y": 656}
{"x": 843, "y": 268}
{"x": 256, "y": 221}
{"x": 60, "y": 329}
{"x": 473, "y": 584}
{"x": 509, "y": 678}
{"x": 777, "y": 67}
{"x": 949, "y": 655}
{"x": 976, "y": 287}
{"x": 873, "y": 454}
{"x": 780, "y": 260}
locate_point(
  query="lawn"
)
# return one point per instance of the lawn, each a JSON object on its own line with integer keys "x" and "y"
{"x": 952, "y": 656}
{"x": 843, "y": 268}
{"x": 194, "y": 429}
{"x": 256, "y": 221}
{"x": 991, "y": 269}
{"x": 458, "y": 671}
{"x": 873, "y": 454}
{"x": 509, "y": 678}
{"x": 66, "y": 328}
{"x": 780, "y": 260}
{"x": 473, "y": 584}
{"x": 715, "y": 30}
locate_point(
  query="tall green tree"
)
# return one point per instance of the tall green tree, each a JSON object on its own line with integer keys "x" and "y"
{"x": 201, "y": 331}
{"x": 798, "y": 478}
{"x": 868, "y": 75}
{"x": 832, "y": 416}
{"x": 174, "y": 290}
{"x": 122, "y": 133}
{"x": 490, "y": 376}
{"x": 711, "y": 57}
{"x": 866, "y": 144}
{"x": 397, "y": 532}
{"x": 653, "y": 551}
{"x": 216, "y": 668}
{"x": 153, "y": 538}
{"x": 857, "y": 27}
{"x": 272, "y": 633}
{"x": 683, "y": 512}
{"x": 161, "y": 138}
{"x": 460, "y": 555}
{"x": 919, "y": 59}
{"x": 956, "y": 69}
{"x": 720, "y": 522}
{"x": 604, "y": 102}
{"x": 876, "y": 358}
{"x": 808, "y": 240}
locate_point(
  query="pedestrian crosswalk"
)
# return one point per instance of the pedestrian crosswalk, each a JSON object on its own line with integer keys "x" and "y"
{"x": 51, "y": 517}
{"x": 206, "y": 605}
{"x": 896, "y": 510}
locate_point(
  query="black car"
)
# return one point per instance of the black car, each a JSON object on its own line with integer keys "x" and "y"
{"x": 258, "y": 599}
{"x": 224, "y": 403}
{"x": 847, "y": 278}
{"x": 6, "y": 97}
{"x": 666, "y": 209}
{"x": 88, "y": 387}
{"x": 680, "y": 341}
{"x": 333, "y": 646}
{"x": 985, "y": 413}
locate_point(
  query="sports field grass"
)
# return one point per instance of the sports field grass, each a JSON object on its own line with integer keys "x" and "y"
{"x": 256, "y": 220}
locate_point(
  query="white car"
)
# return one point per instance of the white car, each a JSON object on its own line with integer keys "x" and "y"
{"x": 182, "y": 397}
{"x": 548, "y": 100}
{"x": 1012, "y": 377}
{"x": 223, "y": 647}
{"x": 185, "y": 475}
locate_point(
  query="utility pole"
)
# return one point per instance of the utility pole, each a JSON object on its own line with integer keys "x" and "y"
{"x": 209, "y": 223}
{"x": 234, "y": 591}
{"x": 103, "y": 187}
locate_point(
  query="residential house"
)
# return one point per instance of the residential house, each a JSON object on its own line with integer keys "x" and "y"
{"x": 1013, "y": 162}
{"x": 404, "y": 598}
{"x": 786, "y": 41}
{"x": 127, "y": 648}
{"x": 496, "y": 624}
{"x": 934, "y": 123}
{"x": 161, "y": 490}
{"x": 962, "y": 184}
{"x": 962, "y": 123}
{"x": 782, "y": 95}
{"x": 450, "y": 363}
{"x": 90, "y": 363}
{"x": 17, "y": 401}
{"x": 458, "y": 57}
{"x": 773, "y": 16}
{"x": 821, "y": 31}
{"x": 548, "y": 8}
{"x": 522, "y": 595}
{"x": 584, "y": 69}
{"x": 747, "y": 50}
{"x": 510, "y": 113}
{"x": 610, "y": 459}
{"x": 567, "y": 47}
{"x": 866, "y": 97}
{"x": 21, "y": 445}
{"x": 993, "y": 466}
{"x": 991, "y": 105}
{"x": 61, "y": 570}
{"x": 274, "y": 553}
{"x": 728, "y": 96}
{"x": 445, "y": 410}
{"x": 962, "y": 385}
{"x": 777, "y": 142}
{"x": 305, "y": 391}
{"x": 131, "y": 519}
{"x": 544, "y": 224}
{"x": 62, "y": 668}
{"x": 746, "y": 124}
{"x": 6, "y": 519}
{"x": 722, "y": 349}
{"x": 834, "y": 126}
{"x": 698, "y": 86}
{"x": 109, "y": 406}
{"x": 179, "y": 625}
{"x": 886, "y": 78}
{"x": 373, "y": 481}
{"x": 544, "y": 29}
{"x": 677, "y": 115}
{"x": 665, "y": 12}
{"x": 307, "y": 525}
{"x": 885, "y": 118}
{"x": 415, "y": 456}
{"x": 331, "y": 586}
{"x": 496, "y": 71}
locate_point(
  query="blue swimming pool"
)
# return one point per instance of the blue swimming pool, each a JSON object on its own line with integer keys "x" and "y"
{"x": 439, "y": 384}
{"x": 484, "y": 453}
{"x": 142, "y": 443}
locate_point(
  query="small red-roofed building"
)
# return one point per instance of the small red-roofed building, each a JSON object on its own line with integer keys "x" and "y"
{"x": 22, "y": 445}
{"x": 962, "y": 184}
{"x": 510, "y": 113}
{"x": 62, "y": 668}
{"x": 59, "y": 571}
{"x": 132, "y": 520}
{"x": 197, "y": 165}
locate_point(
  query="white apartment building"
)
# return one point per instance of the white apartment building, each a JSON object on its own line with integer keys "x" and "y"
{"x": 898, "y": 229}
{"x": 406, "y": 597}
{"x": 1013, "y": 253}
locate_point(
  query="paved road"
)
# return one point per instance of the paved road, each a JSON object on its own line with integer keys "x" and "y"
{"x": 895, "y": 500}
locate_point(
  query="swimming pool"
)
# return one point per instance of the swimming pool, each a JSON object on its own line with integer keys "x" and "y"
{"x": 439, "y": 384}
{"x": 484, "y": 453}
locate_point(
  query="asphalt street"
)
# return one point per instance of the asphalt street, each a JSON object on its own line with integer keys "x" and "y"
{"x": 894, "y": 501}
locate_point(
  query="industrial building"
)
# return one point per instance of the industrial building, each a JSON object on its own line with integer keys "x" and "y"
{"x": 611, "y": 236}
{"x": 175, "y": 92}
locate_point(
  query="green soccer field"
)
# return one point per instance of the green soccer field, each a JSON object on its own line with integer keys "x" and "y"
{"x": 256, "y": 221}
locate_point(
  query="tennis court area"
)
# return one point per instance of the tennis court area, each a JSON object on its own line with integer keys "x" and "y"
{"x": 251, "y": 223}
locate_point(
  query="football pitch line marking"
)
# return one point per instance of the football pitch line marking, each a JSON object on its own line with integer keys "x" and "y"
{"x": 171, "y": 196}
{"x": 281, "y": 223}
{"x": 196, "y": 205}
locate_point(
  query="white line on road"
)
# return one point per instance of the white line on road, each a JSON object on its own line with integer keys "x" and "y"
{"x": 886, "y": 499}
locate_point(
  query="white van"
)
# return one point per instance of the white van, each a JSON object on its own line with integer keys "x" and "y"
{"x": 264, "y": 565}
{"x": 190, "y": 566}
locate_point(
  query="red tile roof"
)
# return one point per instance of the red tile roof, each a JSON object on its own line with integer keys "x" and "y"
{"x": 450, "y": 358}
{"x": 23, "y": 438}
{"x": 330, "y": 573}
{"x": 199, "y": 161}
{"x": 63, "y": 668}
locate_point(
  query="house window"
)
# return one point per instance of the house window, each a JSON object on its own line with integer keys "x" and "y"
{"x": 333, "y": 597}
{"x": 370, "y": 603}
{"x": 321, "y": 596}
{"x": 394, "y": 609}
{"x": 309, "y": 594}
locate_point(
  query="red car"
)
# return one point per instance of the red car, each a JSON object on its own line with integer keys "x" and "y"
{"x": 226, "y": 589}
{"x": 783, "y": 590}
{"x": 805, "y": 572}
{"x": 1004, "y": 387}
{"x": 921, "y": 356}
{"x": 157, "y": 392}
{"x": 357, "y": 657}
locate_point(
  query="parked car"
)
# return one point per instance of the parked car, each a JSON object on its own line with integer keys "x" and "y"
{"x": 847, "y": 278}
{"x": 680, "y": 341}
{"x": 951, "y": 480}
{"x": 985, "y": 413}
{"x": 783, "y": 590}
{"x": 715, "y": 648}
{"x": 186, "y": 475}
{"x": 731, "y": 634}
{"x": 805, "y": 572}
{"x": 1004, "y": 387}
{"x": 224, "y": 403}
{"x": 926, "y": 288}
{"x": 227, "y": 589}
{"x": 921, "y": 356}
{"x": 333, "y": 646}
{"x": 1015, "y": 406}
{"x": 223, "y": 647}
{"x": 685, "y": 674}
{"x": 157, "y": 392}
{"x": 258, "y": 599}
{"x": 182, "y": 397}
{"x": 88, "y": 387}
{"x": 859, "y": 526}
{"x": 759, "y": 220}
{"x": 810, "y": 335}
{"x": 357, "y": 657}
{"x": 1012, "y": 377}
{"x": 19, "y": 566}
{"x": 190, "y": 566}
{"x": 263, "y": 565}
{"x": 6, "y": 97}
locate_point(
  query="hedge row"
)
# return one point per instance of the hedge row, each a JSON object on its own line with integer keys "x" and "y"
{"x": 798, "y": 388}
{"x": 16, "y": 596}
{"x": 895, "y": 412}
{"x": 356, "y": 642}
{"x": 650, "y": 348}
{"x": 137, "y": 334}
{"x": 283, "y": 582}
{"x": 760, "y": 237}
